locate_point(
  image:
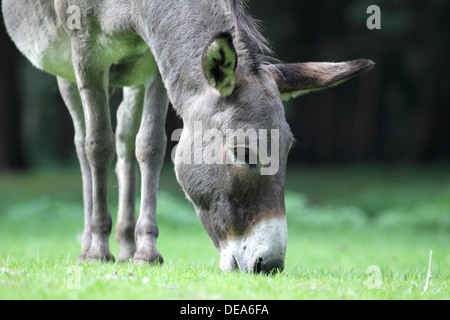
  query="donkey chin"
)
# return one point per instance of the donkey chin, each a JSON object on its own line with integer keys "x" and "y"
{"x": 261, "y": 250}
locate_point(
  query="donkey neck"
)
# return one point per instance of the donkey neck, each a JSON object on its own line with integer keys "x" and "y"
{"x": 177, "y": 33}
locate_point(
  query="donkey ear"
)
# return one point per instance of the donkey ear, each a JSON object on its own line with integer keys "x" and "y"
{"x": 300, "y": 78}
{"x": 220, "y": 62}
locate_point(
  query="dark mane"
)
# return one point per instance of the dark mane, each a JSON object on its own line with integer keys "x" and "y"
{"x": 248, "y": 39}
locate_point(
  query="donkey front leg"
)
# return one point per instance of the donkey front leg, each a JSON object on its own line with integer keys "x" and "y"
{"x": 150, "y": 151}
{"x": 100, "y": 147}
{"x": 72, "y": 99}
{"x": 129, "y": 117}
{"x": 92, "y": 83}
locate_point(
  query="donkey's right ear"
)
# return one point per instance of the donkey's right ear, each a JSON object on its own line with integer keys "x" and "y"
{"x": 220, "y": 62}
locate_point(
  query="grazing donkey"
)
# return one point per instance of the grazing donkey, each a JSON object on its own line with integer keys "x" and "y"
{"x": 208, "y": 58}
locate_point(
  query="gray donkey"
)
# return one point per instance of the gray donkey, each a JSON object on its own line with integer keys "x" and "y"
{"x": 208, "y": 59}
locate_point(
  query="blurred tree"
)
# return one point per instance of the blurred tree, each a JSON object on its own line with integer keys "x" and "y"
{"x": 399, "y": 112}
{"x": 11, "y": 155}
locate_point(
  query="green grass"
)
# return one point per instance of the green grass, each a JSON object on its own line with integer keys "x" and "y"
{"x": 341, "y": 222}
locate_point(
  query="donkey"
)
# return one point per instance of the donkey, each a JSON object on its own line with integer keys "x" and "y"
{"x": 209, "y": 60}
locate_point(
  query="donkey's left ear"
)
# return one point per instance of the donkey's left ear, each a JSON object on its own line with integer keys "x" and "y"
{"x": 299, "y": 78}
{"x": 220, "y": 62}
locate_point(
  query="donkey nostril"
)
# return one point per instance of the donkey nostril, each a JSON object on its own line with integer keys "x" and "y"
{"x": 268, "y": 267}
{"x": 258, "y": 266}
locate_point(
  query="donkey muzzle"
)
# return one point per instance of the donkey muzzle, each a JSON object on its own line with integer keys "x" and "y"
{"x": 261, "y": 250}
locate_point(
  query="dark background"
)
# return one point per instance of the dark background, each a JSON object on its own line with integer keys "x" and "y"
{"x": 397, "y": 113}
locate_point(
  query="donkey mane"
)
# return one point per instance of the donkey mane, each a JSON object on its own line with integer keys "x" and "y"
{"x": 249, "y": 41}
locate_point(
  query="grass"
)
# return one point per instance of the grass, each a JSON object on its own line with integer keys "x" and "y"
{"x": 343, "y": 224}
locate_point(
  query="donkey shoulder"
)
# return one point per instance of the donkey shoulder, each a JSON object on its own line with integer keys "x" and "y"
{"x": 41, "y": 35}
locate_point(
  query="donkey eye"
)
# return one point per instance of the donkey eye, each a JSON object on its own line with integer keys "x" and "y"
{"x": 242, "y": 154}
{"x": 245, "y": 156}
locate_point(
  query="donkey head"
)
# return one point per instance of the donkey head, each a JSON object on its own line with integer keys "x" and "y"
{"x": 232, "y": 153}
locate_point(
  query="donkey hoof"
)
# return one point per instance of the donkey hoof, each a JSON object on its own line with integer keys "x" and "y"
{"x": 152, "y": 257}
{"x": 82, "y": 257}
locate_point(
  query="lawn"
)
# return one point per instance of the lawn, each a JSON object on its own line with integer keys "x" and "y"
{"x": 354, "y": 233}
